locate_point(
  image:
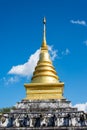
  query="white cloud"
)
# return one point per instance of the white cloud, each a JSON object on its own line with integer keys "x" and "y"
{"x": 82, "y": 106}
{"x": 85, "y": 42}
{"x": 53, "y": 53}
{"x": 27, "y": 68}
{"x": 66, "y": 52}
{"x": 80, "y": 22}
{"x": 11, "y": 80}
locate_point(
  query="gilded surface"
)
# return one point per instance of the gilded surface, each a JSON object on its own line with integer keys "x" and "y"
{"x": 45, "y": 83}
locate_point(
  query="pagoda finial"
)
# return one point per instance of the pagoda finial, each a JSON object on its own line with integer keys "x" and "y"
{"x": 44, "y": 45}
{"x": 44, "y": 32}
{"x": 44, "y": 20}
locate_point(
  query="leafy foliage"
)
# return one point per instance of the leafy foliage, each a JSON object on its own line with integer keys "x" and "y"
{"x": 6, "y": 110}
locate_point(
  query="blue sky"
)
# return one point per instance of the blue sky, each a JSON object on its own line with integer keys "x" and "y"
{"x": 21, "y": 32}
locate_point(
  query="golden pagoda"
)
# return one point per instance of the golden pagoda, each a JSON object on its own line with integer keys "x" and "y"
{"x": 45, "y": 83}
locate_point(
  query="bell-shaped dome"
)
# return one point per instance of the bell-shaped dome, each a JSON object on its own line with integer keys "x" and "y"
{"x": 45, "y": 83}
{"x": 44, "y": 71}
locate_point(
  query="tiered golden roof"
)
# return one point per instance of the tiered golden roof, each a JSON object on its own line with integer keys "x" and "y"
{"x": 45, "y": 83}
{"x": 44, "y": 71}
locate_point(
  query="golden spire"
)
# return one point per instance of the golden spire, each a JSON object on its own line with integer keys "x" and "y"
{"x": 44, "y": 45}
{"x": 45, "y": 83}
{"x": 44, "y": 71}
